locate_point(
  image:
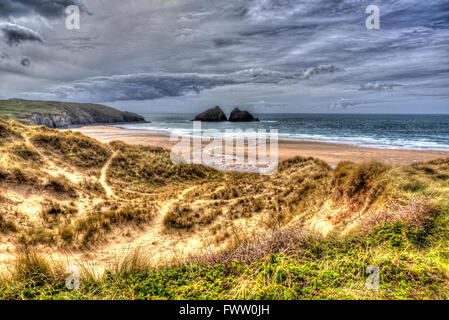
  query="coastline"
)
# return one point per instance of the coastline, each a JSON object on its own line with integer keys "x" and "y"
{"x": 78, "y": 126}
{"x": 332, "y": 153}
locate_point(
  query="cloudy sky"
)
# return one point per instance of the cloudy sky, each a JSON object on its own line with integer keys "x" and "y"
{"x": 264, "y": 55}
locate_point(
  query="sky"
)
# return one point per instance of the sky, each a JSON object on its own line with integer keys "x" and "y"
{"x": 266, "y": 56}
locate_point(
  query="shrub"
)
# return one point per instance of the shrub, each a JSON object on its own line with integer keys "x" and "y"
{"x": 359, "y": 184}
{"x": 413, "y": 186}
{"x": 93, "y": 227}
{"x": 74, "y": 148}
{"x": 32, "y": 268}
{"x": 67, "y": 233}
{"x": 25, "y": 152}
{"x": 184, "y": 217}
{"x": 7, "y": 226}
{"x": 61, "y": 184}
{"x": 37, "y": 235}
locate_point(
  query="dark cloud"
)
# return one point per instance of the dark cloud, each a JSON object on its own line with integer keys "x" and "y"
{"x": 222, "y": 42}
{"x": 299, "y": 53}
{"x": 4, "y": 56}
{"x": 15, "y": 34}
{"x": 155, "y": 86}
{"x": 25, "y": 62}
{"x": 44, "y": 8}
{"x": 277, "y": 31}
{"x": 14, "y": 64}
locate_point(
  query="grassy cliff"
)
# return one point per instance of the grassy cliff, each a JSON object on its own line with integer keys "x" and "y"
{"x": 307, "y": 232}
{"x": 60, "y": 114}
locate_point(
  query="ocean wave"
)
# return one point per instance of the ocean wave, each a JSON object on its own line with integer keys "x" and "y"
{"x": 362, "y": 131}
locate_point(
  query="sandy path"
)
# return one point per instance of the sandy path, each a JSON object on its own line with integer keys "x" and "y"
{"x": 158, "y": 244}
{"x": 103, "y": 176}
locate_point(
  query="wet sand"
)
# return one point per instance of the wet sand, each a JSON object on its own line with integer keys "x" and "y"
{"x": 329, "y": 152}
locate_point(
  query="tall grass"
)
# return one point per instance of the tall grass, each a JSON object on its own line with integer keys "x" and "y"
{"x": 289, "y": 264}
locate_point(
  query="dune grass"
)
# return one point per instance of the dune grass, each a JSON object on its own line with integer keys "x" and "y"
{"x": 286, "y": 265}
{"x": 393, "y": 217}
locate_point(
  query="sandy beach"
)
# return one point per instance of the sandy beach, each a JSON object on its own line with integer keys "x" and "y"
{"x": 329, "y": 152}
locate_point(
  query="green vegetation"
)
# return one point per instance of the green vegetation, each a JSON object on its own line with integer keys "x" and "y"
{"x": 184, "y": 217}
{"x": 152, "y": 167}
{"x": 56, "y": 114}
{"x": 286, "y": 266}
{"x": 74, "y": 148}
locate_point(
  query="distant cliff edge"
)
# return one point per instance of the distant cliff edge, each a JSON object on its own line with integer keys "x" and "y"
{"x": 63, "y": 114}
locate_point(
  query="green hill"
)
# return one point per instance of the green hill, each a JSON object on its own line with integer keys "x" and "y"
{"x": 62, "y": 114}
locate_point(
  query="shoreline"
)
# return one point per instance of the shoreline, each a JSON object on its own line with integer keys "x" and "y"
{"x": 77, "y": 126}
{"x": 332, "y": 153}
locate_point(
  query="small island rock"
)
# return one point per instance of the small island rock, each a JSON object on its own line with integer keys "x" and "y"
{"x": 238, "y": 115}
{"x": 212, "y": 115}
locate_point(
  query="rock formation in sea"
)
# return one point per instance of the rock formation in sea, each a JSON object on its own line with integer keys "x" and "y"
{"x": 238, "y": 115}
{"x": 212, "y": 115}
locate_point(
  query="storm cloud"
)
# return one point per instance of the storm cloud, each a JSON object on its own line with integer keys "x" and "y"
{"x": 303, "y": 55}
{"x": 44, "y": 8}
{"x": 15, "y": 34}
{"x": 159, "y": 85}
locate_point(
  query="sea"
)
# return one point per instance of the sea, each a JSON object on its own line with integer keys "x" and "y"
{"x": 412, "y": 132}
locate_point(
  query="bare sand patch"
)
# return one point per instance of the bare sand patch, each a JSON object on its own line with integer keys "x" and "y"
{"x": 329, "y": 152}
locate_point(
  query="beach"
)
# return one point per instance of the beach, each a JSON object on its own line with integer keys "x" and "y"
{"x": 332, "y": 153}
